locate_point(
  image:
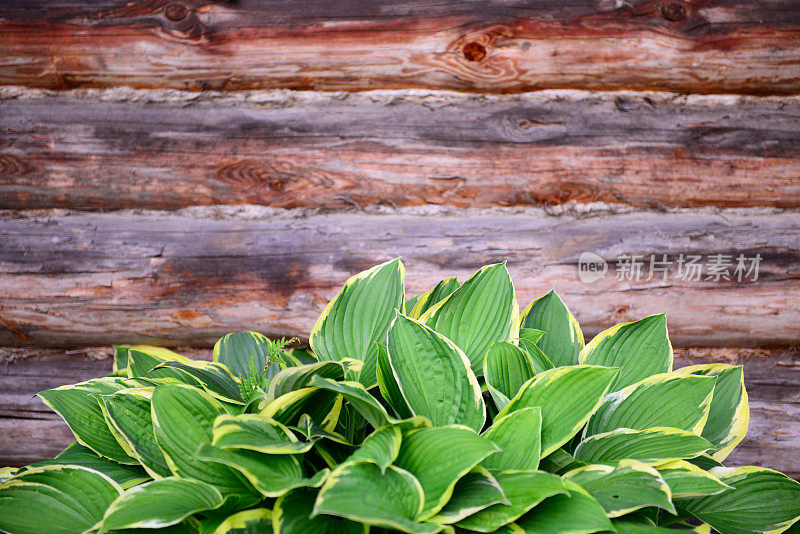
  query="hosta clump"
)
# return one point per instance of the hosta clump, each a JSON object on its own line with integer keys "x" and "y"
{"x": 448, "y": 412}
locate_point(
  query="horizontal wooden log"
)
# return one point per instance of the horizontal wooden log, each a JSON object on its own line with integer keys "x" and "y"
{"x": 738, "y": 46}
{"x": 181, "y": 278}
{"x": 30, "y": 432}
{"x": 114, "y": 149}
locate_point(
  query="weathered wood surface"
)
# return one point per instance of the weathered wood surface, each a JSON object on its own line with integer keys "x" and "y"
{"x": 772, "y": 379}
{"x": 736, "y": 46}
{"x": 116, "y": 149}
{"x": 72, "y": 279}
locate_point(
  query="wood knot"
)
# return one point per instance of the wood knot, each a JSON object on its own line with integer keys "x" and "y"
{"x": 474, "y": 51}
{"x": 673, "y": 11}
{"x": 175, "y": 11}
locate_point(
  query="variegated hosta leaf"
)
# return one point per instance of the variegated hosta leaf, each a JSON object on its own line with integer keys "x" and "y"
{"x": 654, "y": 446}
{"x": 7, "y": 473}
{"x": 129, "y": 412}
{"x": 359, "y": 398}
{"x": 640, "y": 349}
{"x": 528, "y": 341}
{"x": 559, "y": 461}
{"x": 120, "y": 364}
{"x": 668, "y": 399}
{"x": 480, "y": 312}
{"x": 298, "y": 377}
{"x": 271, "y": 474}
{"x": 524, "y": 490}
{"x": 574, "y": 512}
{"x": 323, "y": 406}
{"x": 475, "y": 491}
{"x": 380, "y": 448}
{"x": 621, "y": 489}
{"x": 143, "y": 360}
{"x": 80, "y": 406}
{"x": 506, "y": 368}
{"x": 387, "y": 385}
{"x": 518, "y": 435}
{"x": 183, "y": 418}
{"x": 159, "y": 504}
{"x": 688, "y": 480}
{"x": 562, "y": 340}
{"x": 236, "y": 349}
{"x": 729, "y": 415}
{"x": 567, "y": 396}
{"x": 434, "y": 375}
{"x": 358, "y": 318}
{"x": 57, "y": 499}
{"x": 78, "y": 455}
{"x": 439, "y": 457}
{"x": 426, "y": 301}
{"x": 256, "y": 432}
{"x": 359, "y": 491}
{"x": 292, "y": 514}
{"x": 762, "y": 501}
{"x": 254, "y": 520}
{"x": 215, "y": 378}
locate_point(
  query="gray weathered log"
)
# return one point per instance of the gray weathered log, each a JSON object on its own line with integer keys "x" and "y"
{"x": 30, "y": 432}
{"x": 178, "y": 279}
{"x": 115, "y": 149}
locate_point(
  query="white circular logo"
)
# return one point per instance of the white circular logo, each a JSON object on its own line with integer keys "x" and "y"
{"x": 591, "y": 267}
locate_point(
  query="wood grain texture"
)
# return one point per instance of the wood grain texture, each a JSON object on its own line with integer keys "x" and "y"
{"x": 165, "y": 149}
{"x": 186, "y": 279}
{"x": 706, "y": 46}
{"x": 772, "y": 379}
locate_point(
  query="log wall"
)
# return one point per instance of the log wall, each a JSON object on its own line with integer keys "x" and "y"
{"x": 174, "y": 170}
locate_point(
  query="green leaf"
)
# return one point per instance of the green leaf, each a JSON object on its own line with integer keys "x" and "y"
{"x": 562, "y": 340}
{"x": 79, "y": 405}
{"x": 359, "y": 316}
{"x": 359, "y": 491}
{"x": 434, "y": 375}
{"x": 387, "y": 384}
{"x": 183, "y": 418}
{"x": 477, "y": 314}
{"x": 575, "y": 512}
{"x": 292, "y": 515}
{"x": 729, "y": 415}
{"x": 271, "y": 474}
{"x": 235, "y": 350}
{"x": 640, "y": 349}
{"x": 524, "y": 490}
{"x": 313, "y": 432}
{"x": 567, "y": 396}
{"x": 475, "y": 491}
{"x": 653, "y": 446}
{"x": 129, "y": 411}
{"x": 120, "y": 364}
{"x": 518, "y": 435}
{"x": 439, "y": 457}
{"x": 357, "y": 395}
{"x": 159, "y": 504}
{"x": 256, "y": 520}
{"x": 298, "y": 377}
{"x": 668, "y": 399}
{"x": 213, "y": 377}
{"x": 762, "y": 500}
{"x": 56, "y": 499}
{"x": 322, "y": 406}
{"x": 528, "y": 339}
{"x": 621, "y": 489}
{"x": 426, "y": 301}
{"x": 688, "y": 480}
{"x": 381, "y": 447}
{"x": 255, "y": 432}
{"x": 559, "y": 461}
{"x": 143, "y": 360}
{"x": 78, "y": 455}
{"x": 506, "y": 368}
{"x": 7, "y": 473}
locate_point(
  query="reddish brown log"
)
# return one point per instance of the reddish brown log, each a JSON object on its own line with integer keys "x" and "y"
{"x": 79, "y": 279}
{"x": 116, "y": 149}
{"x": 737, "y": 46}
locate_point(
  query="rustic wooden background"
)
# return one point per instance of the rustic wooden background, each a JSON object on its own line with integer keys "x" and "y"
{"x": 174, "y": 170}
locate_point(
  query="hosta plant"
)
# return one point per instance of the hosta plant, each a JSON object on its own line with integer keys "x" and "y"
{"x": 447, "y": 412}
